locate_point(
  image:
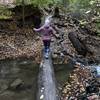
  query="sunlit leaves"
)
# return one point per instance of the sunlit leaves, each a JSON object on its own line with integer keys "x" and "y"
{"x": 36, "y": 2}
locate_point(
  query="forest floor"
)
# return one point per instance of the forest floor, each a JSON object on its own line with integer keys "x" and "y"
{"x": 24, "y": 42}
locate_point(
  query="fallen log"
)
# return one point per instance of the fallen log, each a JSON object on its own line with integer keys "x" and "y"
{"x": 47, "y": 89}
{"x": 78, "y": 45}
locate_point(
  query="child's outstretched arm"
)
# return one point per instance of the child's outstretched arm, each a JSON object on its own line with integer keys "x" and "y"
{"x": 39, "y": 29}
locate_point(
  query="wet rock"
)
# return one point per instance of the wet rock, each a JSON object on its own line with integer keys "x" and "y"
{"x": 54, "y": 56}
{"x": 53, "y": 39}
{"x": 7, "y": 93}
{"x": 37, "y": 38}
{"x": 15, "y": 70}
{"x": 55, "y": 51}
{"x": 58, "y": 36}
{"x": 3, "y": 87}
{"x": 65, "y": 24}
{"x": 17, "y": 83}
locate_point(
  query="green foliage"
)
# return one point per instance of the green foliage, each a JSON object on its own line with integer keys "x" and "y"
{"x": 72, "y": 5}
{"x": 77, "y": 5}
{"x": 98, "y": 27}
{"x": 67, "y": 5}
{"x": 36, "y": 2}
{"x": 4, "y": 13}
{"x": 82, "y": 5}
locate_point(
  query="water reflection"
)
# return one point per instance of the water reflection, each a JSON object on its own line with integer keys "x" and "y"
{"x": 13, "y": 70}
{"x": 27, "y": 71}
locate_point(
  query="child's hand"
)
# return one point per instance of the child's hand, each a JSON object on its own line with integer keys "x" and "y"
{"x": 34, "y": 29}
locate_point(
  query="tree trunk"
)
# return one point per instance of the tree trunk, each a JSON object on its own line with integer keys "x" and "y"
{"x": 23, "y": 12}
{"x": 65, "y": 3}
{"x": 56, "y": 12}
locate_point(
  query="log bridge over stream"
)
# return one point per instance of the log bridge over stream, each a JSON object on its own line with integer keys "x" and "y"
{"x": 47, "y": 89}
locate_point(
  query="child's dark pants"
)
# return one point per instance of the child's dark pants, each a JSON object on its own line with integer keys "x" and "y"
{"x": 46, "y": 44}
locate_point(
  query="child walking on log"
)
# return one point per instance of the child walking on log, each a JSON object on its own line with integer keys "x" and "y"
{"x": 46, "y": 32}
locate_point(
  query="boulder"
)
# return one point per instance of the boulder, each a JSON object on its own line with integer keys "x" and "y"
{"x": 54, "y": 56}
{"x": 17, "y": 83}
{"x": 3, "y": 87}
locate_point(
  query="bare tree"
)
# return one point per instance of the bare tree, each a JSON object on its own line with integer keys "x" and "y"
{"x": 65, "y": 2}
{"x": 23, "y": 12}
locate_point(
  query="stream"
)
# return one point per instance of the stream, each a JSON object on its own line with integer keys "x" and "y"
{"x": 18, "y": 78}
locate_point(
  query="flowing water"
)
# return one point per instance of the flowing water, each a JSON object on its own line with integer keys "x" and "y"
{"x": 26, "y": 71}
